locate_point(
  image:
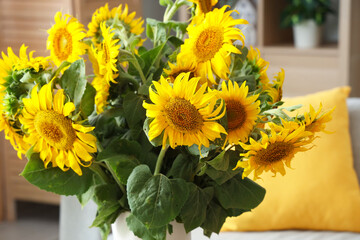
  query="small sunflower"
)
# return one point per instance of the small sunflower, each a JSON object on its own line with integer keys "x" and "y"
{"x": 14, "y": 135}
{"x": 180, "y": 67}
{"x": 184, "y": 116}
{"x": 260, "y": 65}
{"x": 103, "y": 14}
{"x": 9, "y": 63}
{"x": 55, "y": 136}
{"x": 102, "y": 93}
{"x": 314, "y": 122}
{"x": 108, "y": 54}
{"x": 99, "y": 83}
{"x": 65, "y": 39}
{"x": 275, "y": 91}
{"x": 203, "y": 6}
{"x": 242, "y": 111}
{"x": 271, "y": 152}
{"x": 210, "y": 43}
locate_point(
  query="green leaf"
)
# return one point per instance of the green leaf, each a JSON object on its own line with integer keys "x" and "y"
{"x": 133, "y": 109}
{"x": 122, "y": 156}
{"x": 220, "y": 162}
{"x": 107, "y": 214}
{"x": 215, "y": 218}
{"x": 87, "y": 103}
{"x": 152, "y": 58}
{"x": 183, "y": 167}
{"x": 176, "y": 42}
{"x": 140, "y": 230}
{"x": 107, "y": 193}
{"x": 239, "y": 193}
{"x": 53, "y": 179}
{"x": 155, "y": 200}
{"x": 221, "y": 177}
{"x": 120, "y": 146}
{"x": 122, "y": 165}
{"x": 193, "y": 213}
{"x": 149, "y": 31}
{"x": 73, "y": 81}
{"x": 87, "y": 196}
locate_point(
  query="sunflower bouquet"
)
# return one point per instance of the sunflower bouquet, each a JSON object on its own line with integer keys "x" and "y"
{"x": 169, "y": 132}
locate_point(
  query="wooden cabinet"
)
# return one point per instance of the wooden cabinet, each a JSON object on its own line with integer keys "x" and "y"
{"x": 311, "y": 70}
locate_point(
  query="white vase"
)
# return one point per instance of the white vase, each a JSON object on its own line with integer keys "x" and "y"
{"x": 307, "y": 34}
{"x": 121, "y": 231}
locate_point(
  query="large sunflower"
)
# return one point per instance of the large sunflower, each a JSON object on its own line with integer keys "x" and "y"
{"x": 210, "y": 43}
{"x": 53, "y": 134}
{"x": 204, "y": 6}
{"x": 271, "y": 152}
{"x": 242, "y": 111}
{"x": 65, "y": 39}
{"x": 108, "y": 54}
{"x": 103, "y": 14}
{"x": 184, "y": 116}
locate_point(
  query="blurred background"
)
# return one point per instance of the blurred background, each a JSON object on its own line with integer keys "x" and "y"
{"x": 26, "y": 211}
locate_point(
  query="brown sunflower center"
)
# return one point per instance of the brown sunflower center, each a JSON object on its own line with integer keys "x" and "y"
{"x": 274, "y": 152}
{"x": 55, "y": 128}
{"x": 183, "y": 116}
{"x": 209, "y": 43}
{"x": 62, "y": 44}
{"x": 205, "y": 6}
{"x": 174, "y": 74}
{"x": 236, "y": 114}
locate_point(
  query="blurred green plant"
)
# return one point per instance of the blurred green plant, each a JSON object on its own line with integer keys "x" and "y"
{"x": 299, "y": 10}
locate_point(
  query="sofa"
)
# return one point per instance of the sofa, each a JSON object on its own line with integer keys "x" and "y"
{"x": 72, "y": 217}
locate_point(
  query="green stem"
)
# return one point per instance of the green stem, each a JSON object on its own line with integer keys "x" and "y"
{"x": 95, "y": 167}
{"x": 160, "y": 159}
{"x": 170, "y": 12}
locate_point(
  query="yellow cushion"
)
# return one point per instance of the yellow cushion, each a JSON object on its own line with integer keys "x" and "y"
{"x": 321, "y": 192}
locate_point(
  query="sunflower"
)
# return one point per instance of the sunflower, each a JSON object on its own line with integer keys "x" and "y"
{"x": 210, "y": 43}
{"x": 271, "y": 152}
{"x": 65, "y": 39}
{"x": 259, "y": 64}
{"x": 8, "y": 113}
{"x": 14, "y": 135}
{"x": 242, "y": 111}
{"x": 275, "y": 91}
{"x": 99, "y": 82}
{"x": 55, "y": 136}
{"x": 11, "y": 62}
{"x": 102, "y": 93}
{"x": 107, "y": 55}
{"x": 314, "y": 122}
{"x": 103, "y": 14}
{"x": 204, "y": 6}
{"x": 180, "y": 67}
{"x": 183, "y": 115}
